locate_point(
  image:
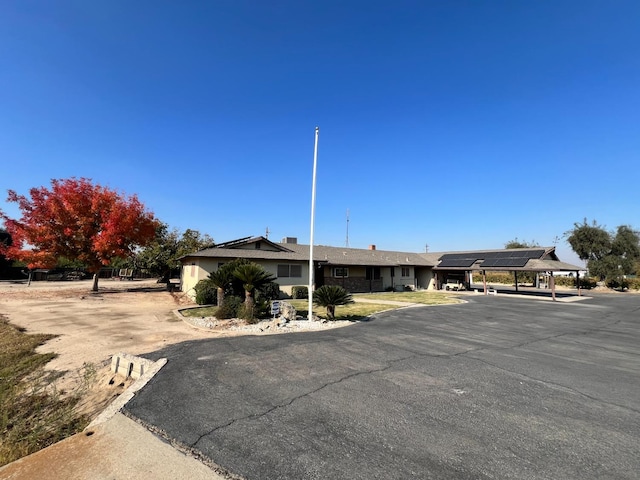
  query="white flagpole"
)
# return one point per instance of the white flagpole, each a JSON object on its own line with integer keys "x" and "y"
{"x": 313, "y": 214}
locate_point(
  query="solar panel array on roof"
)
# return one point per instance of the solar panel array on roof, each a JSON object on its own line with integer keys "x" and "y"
{"x": 504, "y": 258}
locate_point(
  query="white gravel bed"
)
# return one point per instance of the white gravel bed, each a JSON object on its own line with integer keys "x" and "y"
{"x": 238, "y": 326}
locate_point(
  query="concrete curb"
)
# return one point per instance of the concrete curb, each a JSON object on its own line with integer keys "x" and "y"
{"x": 140, "y": 364}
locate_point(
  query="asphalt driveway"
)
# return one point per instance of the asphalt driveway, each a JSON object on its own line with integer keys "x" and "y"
{"x": 500, "y": 387}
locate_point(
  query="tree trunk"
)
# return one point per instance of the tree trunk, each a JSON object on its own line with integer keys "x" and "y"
{"x": 248, "y": 299}
{"x": 331, "y": 312}
{"x": 95, "y": 282}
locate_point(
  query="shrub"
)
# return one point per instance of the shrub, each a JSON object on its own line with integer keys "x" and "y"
{"x": 300, "y": 292}
{"x": 269, "y": 291}
{"x": 389, "y": 289}
{"x": 617, "y": 283}
{"x": 634, "y": 283}
{"x": 331, "y": 296}
{"x": 229, "y": 308}
{"x": 206, "y": 293}
{"x": 588, "y": 283}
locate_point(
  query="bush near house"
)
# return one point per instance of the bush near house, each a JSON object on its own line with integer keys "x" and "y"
{"x": 300, "y": 292}
{"x": 206, "y": 292}
{"x": 229, "y": 308}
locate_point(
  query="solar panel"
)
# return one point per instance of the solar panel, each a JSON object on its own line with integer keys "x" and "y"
{"x": 457, "y": 262}
{"x": 504, "y": 258}
{"x": 505, "y": 262}
{"x": 456, "y": 256}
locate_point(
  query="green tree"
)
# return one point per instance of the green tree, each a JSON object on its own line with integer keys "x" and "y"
{"x": 589, "y": 242}
{"x": 163, "y": 254}
{"x": 331, "y": 296}
{"x": 609, "y": 256}
{"x": 252, "y": 276}
{"x": 515, "y": 243}
{"x": 626, "y": 246}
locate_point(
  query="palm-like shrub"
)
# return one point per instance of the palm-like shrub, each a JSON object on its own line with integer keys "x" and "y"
{"x": 221, "y": 279}
{"x": 330, "y": 296}
{"x": 252, "y": 276}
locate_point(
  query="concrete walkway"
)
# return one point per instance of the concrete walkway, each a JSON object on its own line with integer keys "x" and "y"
{"x": 119, "y": 449}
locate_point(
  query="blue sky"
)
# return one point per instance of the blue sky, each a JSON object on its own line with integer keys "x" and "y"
{"x": 457, "y": 124}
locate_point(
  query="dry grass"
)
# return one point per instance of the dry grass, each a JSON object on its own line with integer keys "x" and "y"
{"x": 33, "y": 415}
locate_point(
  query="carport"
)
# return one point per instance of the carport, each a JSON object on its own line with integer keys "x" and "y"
{"x": 535, "y": 260}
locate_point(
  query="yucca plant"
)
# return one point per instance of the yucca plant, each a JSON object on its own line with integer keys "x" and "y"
{"x": 330, "y": 296}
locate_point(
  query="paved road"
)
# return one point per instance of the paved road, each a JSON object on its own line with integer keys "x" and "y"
{"x": 501, "y": 387}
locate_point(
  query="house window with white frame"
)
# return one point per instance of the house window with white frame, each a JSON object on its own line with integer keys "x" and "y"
{"x": 340, "y": 272}
{"x": 289, "y": 271}
{"x": 406, "y": 272}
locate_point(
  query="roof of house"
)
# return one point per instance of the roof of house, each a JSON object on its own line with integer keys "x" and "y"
{"x": 537, "y": 258}
{"x": 321, "y": 253}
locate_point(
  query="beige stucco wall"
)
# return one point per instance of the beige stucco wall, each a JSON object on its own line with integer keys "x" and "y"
{"x": 425, "y": 279}
{"x": 198, "y": 269}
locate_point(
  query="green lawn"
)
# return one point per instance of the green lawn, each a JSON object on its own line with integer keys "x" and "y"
{"x": 423, "y": 297}
{"x": 199, "y": 312}
{"x": 355, "y": 311}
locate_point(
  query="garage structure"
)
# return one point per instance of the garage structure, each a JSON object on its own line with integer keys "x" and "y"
{"x": 458, "y": 267}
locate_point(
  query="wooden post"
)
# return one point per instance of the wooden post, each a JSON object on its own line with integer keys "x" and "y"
{"x": 578, "y": 282}
{"x": 552, "y": 281}
{"x": 515, "y": 273}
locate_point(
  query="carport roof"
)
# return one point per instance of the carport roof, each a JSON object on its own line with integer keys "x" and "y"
{"x": 517, "y": 259}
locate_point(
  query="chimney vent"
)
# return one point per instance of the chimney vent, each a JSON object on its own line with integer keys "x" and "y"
{"x": 372, "y": 247}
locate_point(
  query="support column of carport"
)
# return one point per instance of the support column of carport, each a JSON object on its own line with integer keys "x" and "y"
{"x": 484, "y": 280}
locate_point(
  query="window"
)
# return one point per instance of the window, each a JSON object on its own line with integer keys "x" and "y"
{"x": 340, "y": 272}
{"x": 373, "y": 273}
{"x": 285, "y": 270}
{"x": 406, "y": 272}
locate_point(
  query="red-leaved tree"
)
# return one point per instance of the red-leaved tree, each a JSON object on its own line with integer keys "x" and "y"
{"x": 78, "y": 220}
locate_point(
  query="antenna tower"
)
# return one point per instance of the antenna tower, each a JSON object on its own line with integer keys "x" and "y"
{"x": 347, "y": 242}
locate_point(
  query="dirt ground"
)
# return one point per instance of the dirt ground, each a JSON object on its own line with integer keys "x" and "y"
{"x": 133, "y": 317}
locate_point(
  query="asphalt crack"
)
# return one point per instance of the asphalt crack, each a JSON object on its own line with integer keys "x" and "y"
{"x": 254, "y": 416}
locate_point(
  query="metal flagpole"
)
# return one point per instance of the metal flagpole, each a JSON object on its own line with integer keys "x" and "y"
{"x": 313, "y": 214}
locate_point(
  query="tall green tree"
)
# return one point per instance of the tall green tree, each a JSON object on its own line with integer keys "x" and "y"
{"x": 608, "y": 255}
{"x": 163, "y": 254}
{"x": 589, "y": 241}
